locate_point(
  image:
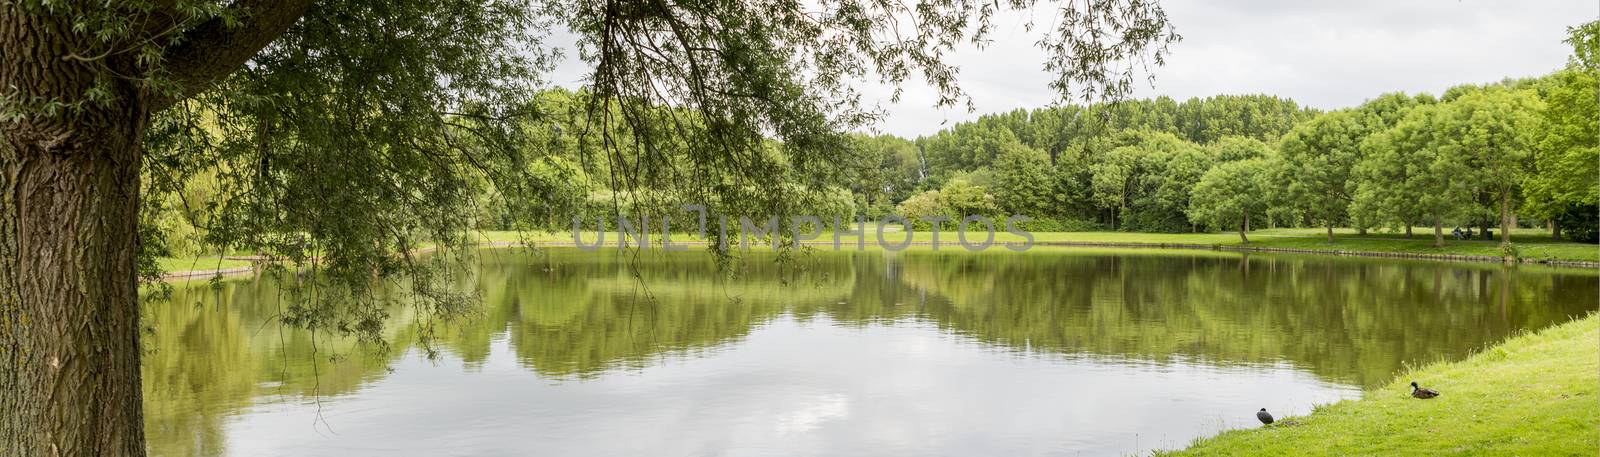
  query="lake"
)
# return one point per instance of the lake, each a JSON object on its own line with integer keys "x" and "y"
{"x": 916, "y": 353}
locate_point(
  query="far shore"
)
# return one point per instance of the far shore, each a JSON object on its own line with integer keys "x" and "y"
{"x": 1529, "y": 248}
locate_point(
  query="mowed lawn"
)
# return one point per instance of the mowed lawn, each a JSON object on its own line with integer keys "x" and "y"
{"x": 1529, "y": 243}
{"x": 1533, "y": 395}
{"x": 173, "y": 265}
{"x": 1532, "y": 244}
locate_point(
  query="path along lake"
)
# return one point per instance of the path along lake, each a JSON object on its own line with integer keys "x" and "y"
{"x": 916, "y": 353}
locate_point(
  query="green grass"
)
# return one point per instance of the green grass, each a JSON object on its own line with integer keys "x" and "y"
{"x": 173, "y": 265}
{"x": 1530, "y": 243}
{"x": 1534, "y": 394}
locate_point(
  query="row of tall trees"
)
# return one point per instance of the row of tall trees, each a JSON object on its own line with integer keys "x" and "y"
{"x": 1475, "y": 156}
{"x": 1126, "y": 165}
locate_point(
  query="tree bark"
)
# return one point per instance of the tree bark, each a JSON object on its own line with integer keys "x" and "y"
{"x": 70, "y": 340}
{"x": 1243, "y": 228}
{"x": 1330, "y": 233}
{"x": 69, "y": 198}
{"x": 1408, "y": 230}
{"x": 1555, "y": 229}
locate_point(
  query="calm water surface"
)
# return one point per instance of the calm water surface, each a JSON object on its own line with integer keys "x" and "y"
{"x": 1052, "y": 352}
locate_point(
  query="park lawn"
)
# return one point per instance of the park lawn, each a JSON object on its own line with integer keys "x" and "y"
{"x": 174, "y": 265}
{"x": 1534, "y": 394}
{"x": 1530, "y": 243}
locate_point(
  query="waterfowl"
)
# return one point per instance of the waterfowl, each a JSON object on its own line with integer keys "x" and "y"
{"x": 1422, "y": 393}
{"x": 1266, "y": 417}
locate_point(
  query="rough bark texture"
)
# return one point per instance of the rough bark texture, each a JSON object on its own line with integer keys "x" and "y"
{"x": 69, "y": 194}
{"x": 69, "y": 215}
{"x": 1244, "y": 227}
{"x": 71, "y": 385}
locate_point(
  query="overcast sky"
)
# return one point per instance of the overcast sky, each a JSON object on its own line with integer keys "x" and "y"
{"x": 1326, "y": 54}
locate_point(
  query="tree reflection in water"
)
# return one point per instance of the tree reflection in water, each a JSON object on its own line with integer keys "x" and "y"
{"x": 575, "y": 315}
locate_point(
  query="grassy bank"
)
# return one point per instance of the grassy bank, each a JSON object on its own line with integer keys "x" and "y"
{"x": 175, "y": 265}
{"x": 1534, "y": 394}
{"x": 1530, "y": 244}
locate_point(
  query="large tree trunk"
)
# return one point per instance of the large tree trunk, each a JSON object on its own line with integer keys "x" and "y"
{"x": 1408, "y": 230}
{"x": 69, "y": 315}
{"x": 1244, "y": 227}
{"x": 1330, "y": 233}
{"x": 71, "y": 341}
{"x": 1555, "y": 229}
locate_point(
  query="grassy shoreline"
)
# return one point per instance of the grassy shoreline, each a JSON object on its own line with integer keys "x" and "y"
{"x": 1530, "y": 246}
{"x": 1538, "y": 246}
{"x": 1533, "y": 394}
{"x": 207, "y": 263}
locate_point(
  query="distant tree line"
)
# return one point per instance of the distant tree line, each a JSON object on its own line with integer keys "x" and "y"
{"x": 1494, "y": 156}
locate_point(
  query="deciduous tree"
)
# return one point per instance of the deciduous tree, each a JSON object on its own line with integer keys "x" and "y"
{"x": 1229, "y": 194}
{"x": 1320, "y": 156}
{"x": 1409, "y": 174}
{"x": 1565, "y": 184}
{"x": 1492, "y": 131}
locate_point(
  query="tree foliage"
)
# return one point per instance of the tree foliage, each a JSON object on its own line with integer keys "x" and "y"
{"x": 1320, "y": 155}
{"x": 1231, "y": 193}
{"x": 1565, "y": 184}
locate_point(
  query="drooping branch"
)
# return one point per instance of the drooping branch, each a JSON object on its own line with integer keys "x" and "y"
{"x": 219, "y": 46}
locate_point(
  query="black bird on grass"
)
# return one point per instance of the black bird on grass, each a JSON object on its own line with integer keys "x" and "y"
{"x": 1266, "y": 417}
{"x": 1422, "y": 393}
